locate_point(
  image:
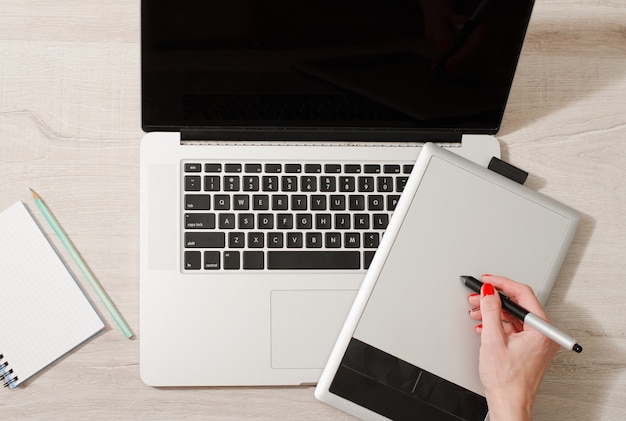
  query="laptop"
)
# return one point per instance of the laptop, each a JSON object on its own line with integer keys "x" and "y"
{"x": 280, "y": 136}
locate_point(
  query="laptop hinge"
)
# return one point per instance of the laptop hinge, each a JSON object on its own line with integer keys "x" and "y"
{"x": 325, "y": 135}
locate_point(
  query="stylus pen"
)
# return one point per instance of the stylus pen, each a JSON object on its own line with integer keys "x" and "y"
{"x": 527, "y": 317}
{"x": 82, "y": 265}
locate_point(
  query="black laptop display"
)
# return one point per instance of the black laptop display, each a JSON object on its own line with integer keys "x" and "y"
{"x": 378, "y": 70}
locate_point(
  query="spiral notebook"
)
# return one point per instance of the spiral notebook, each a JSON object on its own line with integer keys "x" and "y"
{"x": 44, "y": 313}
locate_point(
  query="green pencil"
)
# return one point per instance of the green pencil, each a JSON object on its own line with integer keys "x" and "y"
{"x": 82, "y": 265}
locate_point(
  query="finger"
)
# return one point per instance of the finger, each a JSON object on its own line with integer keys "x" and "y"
{"x": 491, "y": 312}
{"x": 474, "y": 300}
{"x": 508, "y": 328}
{"x": 516, "y": 325}
{"x": 520, "y": 293}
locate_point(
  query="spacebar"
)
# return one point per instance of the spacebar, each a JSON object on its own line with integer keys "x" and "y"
{"x": 300, "y": 259}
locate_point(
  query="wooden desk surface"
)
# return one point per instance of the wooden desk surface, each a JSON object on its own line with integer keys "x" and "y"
{"x": 70, "y": 127}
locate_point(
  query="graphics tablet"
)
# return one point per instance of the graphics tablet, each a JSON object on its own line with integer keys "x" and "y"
{"x": 408, "y": 348}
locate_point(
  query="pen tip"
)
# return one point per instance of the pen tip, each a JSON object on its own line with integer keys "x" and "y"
{"x": 578, "y": 348}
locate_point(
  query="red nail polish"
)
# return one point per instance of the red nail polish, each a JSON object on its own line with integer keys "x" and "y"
{"x": 473, "y": 295}
{"x": 487, "y": 274}
{"x": 487, "y": 290}
{"x": 480, "y": 326}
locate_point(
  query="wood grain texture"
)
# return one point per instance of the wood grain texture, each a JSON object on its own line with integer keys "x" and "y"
{"x": 70, "y": 128}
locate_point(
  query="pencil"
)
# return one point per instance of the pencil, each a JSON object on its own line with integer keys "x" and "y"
{"x": 106, "y": 300}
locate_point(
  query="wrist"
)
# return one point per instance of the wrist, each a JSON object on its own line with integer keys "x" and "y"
{"x": 508, "y": 408}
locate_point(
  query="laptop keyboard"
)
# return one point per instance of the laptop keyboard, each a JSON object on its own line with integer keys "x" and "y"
{"x": 286, "y": 216}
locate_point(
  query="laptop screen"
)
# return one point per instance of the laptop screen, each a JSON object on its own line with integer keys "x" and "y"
{"x": 361, "y": 66}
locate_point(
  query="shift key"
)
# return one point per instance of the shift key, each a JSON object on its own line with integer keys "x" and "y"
{"x": 204, "y": 240}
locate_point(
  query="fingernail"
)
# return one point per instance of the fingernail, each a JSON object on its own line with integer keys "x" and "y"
{"x": 473, "y": 295}
{"x": 487, "y": 290}
{"x": 480, "y": 326}
{"x": 474, "y": 309}
{"x": 487, "y": 274}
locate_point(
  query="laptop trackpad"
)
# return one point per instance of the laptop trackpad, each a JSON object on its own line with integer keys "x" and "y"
{"x": 305, "y": 326}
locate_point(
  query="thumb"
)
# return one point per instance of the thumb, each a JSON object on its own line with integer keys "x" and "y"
{"x": 491, "y": 310}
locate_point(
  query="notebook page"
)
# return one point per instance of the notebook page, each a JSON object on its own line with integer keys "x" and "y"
{"x": 44, "y": 314}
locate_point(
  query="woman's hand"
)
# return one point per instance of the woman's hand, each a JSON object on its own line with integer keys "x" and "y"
{"x": 513, "y": 357}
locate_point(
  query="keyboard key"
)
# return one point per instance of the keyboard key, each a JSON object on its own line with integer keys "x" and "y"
{"x": 301, "y": 259}
{"x": 265, "y": 221}
{"x": 328, "y": 184}
{"x": 251, "y": 183}
{"x": 253, "y": 168}
{"x": 270, "y": 183}
{"x": 385, "y": 184}
{"x": 309, "y": 183}
{"x": 304, "y": 221}
{"x": 241, "y": 202}
{"x": 273, "y": 168}
{"x": 236, "y": 240}
{"x": 231, "y": 260}
{"x": 284, "y": 221}
{"x": 346, "y": 184}
{"x": 381, "y": 221}
{"x": 204, "y": 240}
{"x": 401, "y": 183}
{"x": 366, "y": 184}
{"x": 337, "y": 202}
{"x": 197, "y": 202}
{"x": 193, "y": 183}
{"x": 371, "y": 240}
{"x": 361, "y": 221}
{"x": 289, "y": 183}
{"x": 232, "y": 168}
{"x": 313, "y": 239}
{"x": 391, "y": 169}
{"x": 294, "y": 240}
{"x": 392, "y": 202}
{"x": 256, "y": 240}
{"x": 193, "y": 260}
{"x": 323, "y": 221}
{"x": 212, "y": 183}
{"x": 357, "y": 202}
{"x": 352, "y": 240}
{"x": 212, "y": 260}
{"x": 275, "y": 240}
{"x": 318, "y": 202}
{"x": 253, "y": 260}
{"x": 375, "y": 202}
{"x": 191, "y": 167}
{"x": 226, "y": 221}
{"x": 352, "y": 169}
{"x": 371, "y": 169}
{"x": 368, "y": 256}
{"x": 245, "y": 221}
{"x": 332, "y": 240}
{"x": 312, "y": 168}
{"x": 199, "y": 220}
{"x": 260, "y": 202}
{"x": 342, "y": 221}
{"x": 293, "y": 168}
{"x": 332, "y": 168}
{"x": 212, "y": 168}
{"x": 221, "y": 202}
{"x": 280, "y": 202}
{"x": 298, "y": 202}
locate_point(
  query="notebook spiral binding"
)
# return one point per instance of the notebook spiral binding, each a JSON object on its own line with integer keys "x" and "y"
{"x": 6, "y": 372}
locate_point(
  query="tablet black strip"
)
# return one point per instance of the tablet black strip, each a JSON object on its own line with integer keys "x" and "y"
{"x": 398, "y": 390}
